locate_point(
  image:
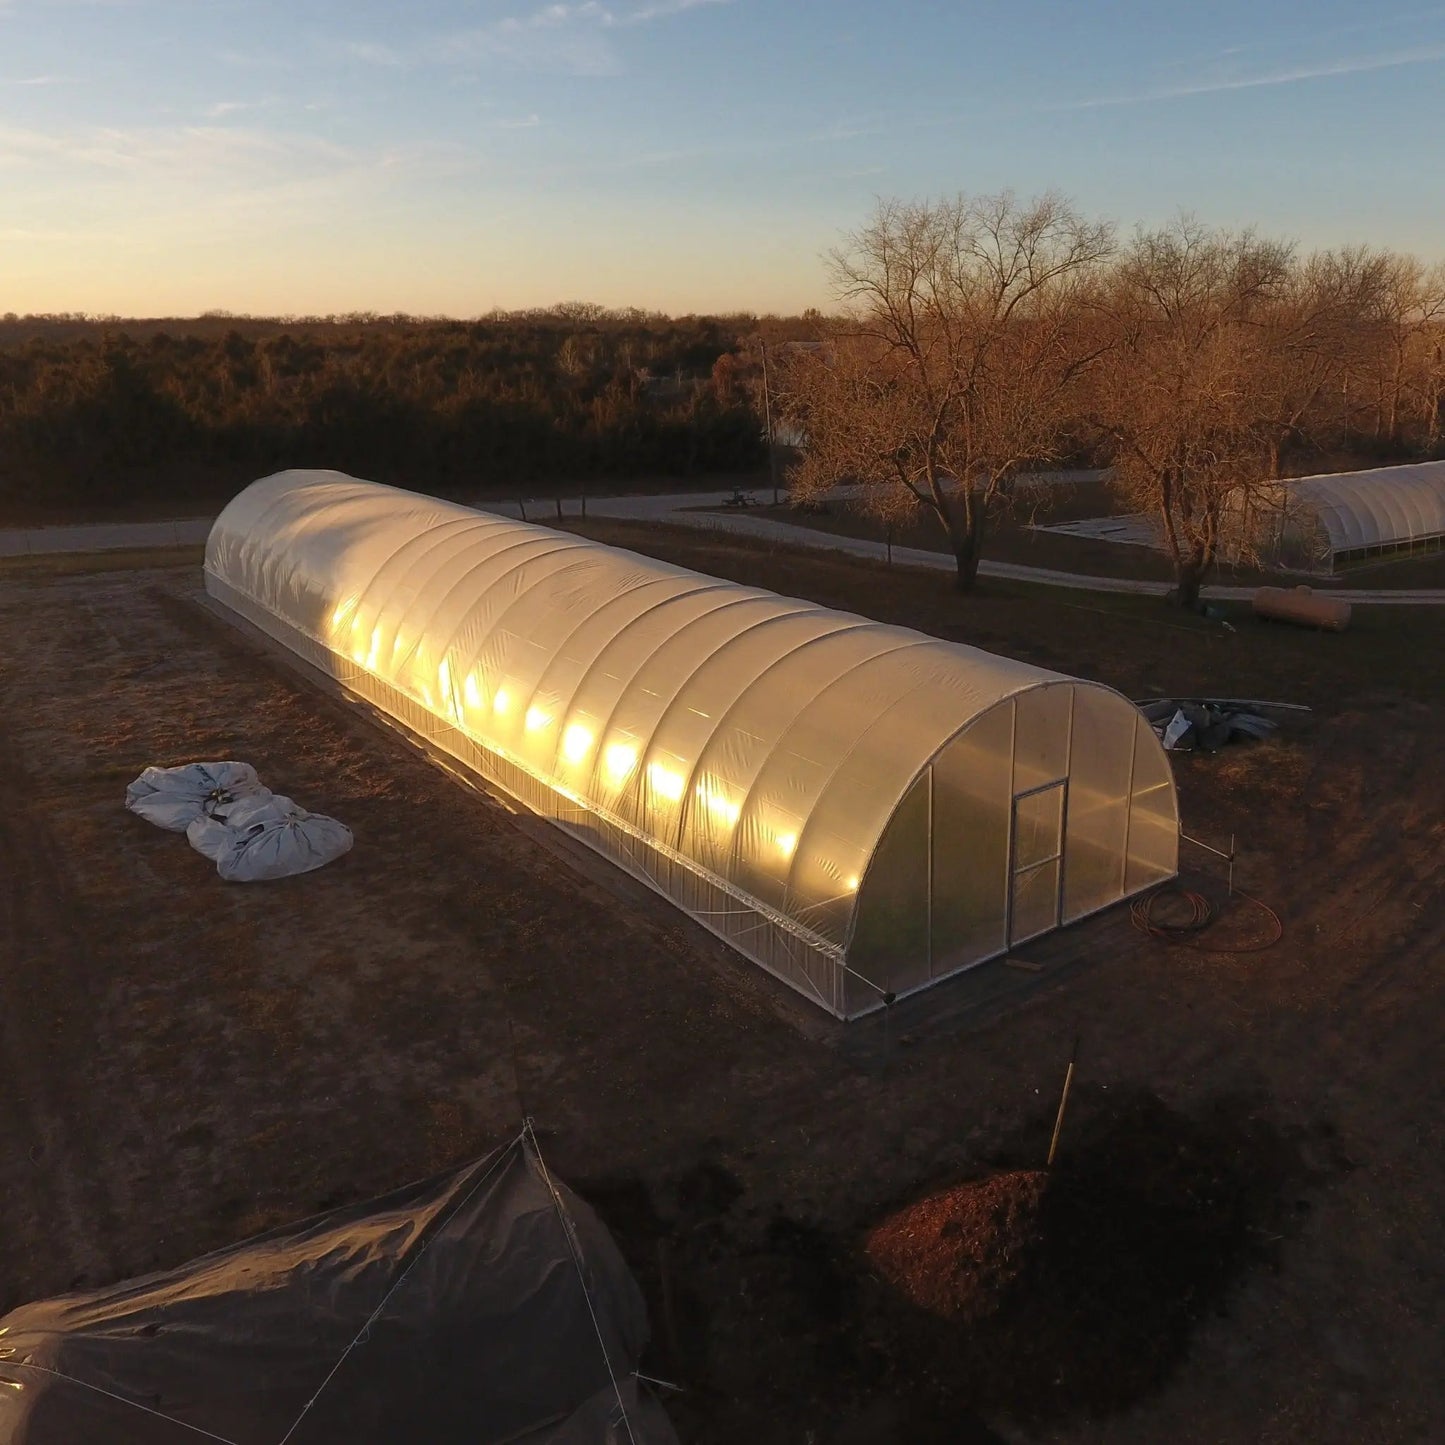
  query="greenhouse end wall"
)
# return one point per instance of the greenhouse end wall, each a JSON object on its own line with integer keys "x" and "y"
{"x": 1055, "y": 804}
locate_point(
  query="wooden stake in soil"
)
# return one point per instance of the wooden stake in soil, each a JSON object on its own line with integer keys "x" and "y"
{"x": 1063, "y": 1104}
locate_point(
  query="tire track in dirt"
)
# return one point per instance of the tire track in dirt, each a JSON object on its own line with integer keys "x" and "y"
{"x": 51, "y": 1149}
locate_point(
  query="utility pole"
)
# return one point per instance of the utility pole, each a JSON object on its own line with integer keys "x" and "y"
{"x": 768, "y": 420}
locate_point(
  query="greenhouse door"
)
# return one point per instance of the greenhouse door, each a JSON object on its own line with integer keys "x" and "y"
{"x": 1036, "y": 860}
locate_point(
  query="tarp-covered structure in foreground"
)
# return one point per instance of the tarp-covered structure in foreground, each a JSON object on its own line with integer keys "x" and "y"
{"x": 451, "y": 1312}
{"x": 1324, "y": 522}
{"x": 859, "y": 808}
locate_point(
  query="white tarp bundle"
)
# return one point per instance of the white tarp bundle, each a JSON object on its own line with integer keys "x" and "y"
{"x": 266, "y": 837}
{"x": 215, "y": 833}
{"x": 229, "y": 816}
{"x": 173, "y": 798}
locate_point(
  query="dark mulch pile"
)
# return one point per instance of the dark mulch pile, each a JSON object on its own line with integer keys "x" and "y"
{"x": 1047, "y": 1294}
{"x": 956, "y": 1253}
{"x": 1020, "y": 1294}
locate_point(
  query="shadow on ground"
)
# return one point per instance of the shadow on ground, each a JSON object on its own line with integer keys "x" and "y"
{"x": 1148, "y": 1219}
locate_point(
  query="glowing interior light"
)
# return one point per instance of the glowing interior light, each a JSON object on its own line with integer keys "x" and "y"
{"x": 786, "y": 844}
{"x": 536, "y": 719}
{"x": 619, "y": 759}
{"x": 575, "y": 742}
{"x": 851, "y": 883}
{"x": 501, "y": 702}
{"x": 718, "y": 804}
{"x": 374, "y": 649}
{"x": 471, "y": 691}
{"x": 339, "y": 616}
{"x": 665, "y": 781}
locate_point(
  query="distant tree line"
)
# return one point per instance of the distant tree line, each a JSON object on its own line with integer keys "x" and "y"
{"x": 981, "y": 337}
{"x": 102, "y": 409}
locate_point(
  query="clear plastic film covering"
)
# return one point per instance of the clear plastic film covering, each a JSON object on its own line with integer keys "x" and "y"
{"x": 1152, "y": 853}
{"x": 1097, "y": 834}
{"x": 745, "y": 754}
{"x": 1384, "y": 507}
{"x": 972, "y": 800}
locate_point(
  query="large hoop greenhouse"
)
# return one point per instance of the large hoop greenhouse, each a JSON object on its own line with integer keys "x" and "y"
{"x": 861, "y": 809}
{"x": 1325, "y": 522}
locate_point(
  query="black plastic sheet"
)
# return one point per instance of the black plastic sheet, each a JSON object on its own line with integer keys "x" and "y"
{"x": 453, "y": 1310}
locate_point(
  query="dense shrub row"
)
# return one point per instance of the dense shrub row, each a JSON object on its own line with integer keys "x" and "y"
{"x": 94, "y": 411}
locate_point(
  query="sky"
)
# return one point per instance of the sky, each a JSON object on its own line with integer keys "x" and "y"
{"x": 167, "y": 157}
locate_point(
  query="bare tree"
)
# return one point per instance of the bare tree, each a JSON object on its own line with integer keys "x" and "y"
{"x": 1428, "y": 372}
{"x": 575, "y": 357}
{"x": 951, "y": 369}
{"x": 1314, "y": 331}
{"x": 1360, "y": 338}
{"x": 1411, "y": 308}
{"x": 1178, "y": 396}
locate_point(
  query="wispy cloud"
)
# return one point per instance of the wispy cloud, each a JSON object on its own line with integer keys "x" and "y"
{"x": 58, "y": 236}
{"x": 526, "y": 122}
{"x": 792, "y": 143}
{"x": 573, "y": 37}
{"x": 661, "y": 9}
{"x": 40, "y": 80}
{"x": 566, "y": 38}
{"x": 1208, "y": 84}
{"x": 14, "y": 7}
{"x": 149, "y": 189}
{"x": 370, "y": 53}
{"x": 170, "y": 151}
{"x": 256, "y": 60}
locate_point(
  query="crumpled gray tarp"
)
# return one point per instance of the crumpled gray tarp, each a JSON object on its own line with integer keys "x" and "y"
{"x": 267, "y": 836}
{"x": 249, "y": 832}
{"x": 173, "y": 798}
{"x": 1206, "y": 724}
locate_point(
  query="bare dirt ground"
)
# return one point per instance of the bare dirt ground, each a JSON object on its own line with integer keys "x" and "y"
{"x": 185, "y": 1062}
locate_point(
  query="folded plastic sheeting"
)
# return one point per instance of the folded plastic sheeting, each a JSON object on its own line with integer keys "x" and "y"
{"x": 214, "y": 834}
{"x": 173, "y": 798}
{"x": 476, "y": 1307}
{"x": 249, "y": 832}
{"x": 267, "y": 836}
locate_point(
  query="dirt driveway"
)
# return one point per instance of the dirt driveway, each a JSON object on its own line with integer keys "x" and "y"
{"x": 186, "y": 1062}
